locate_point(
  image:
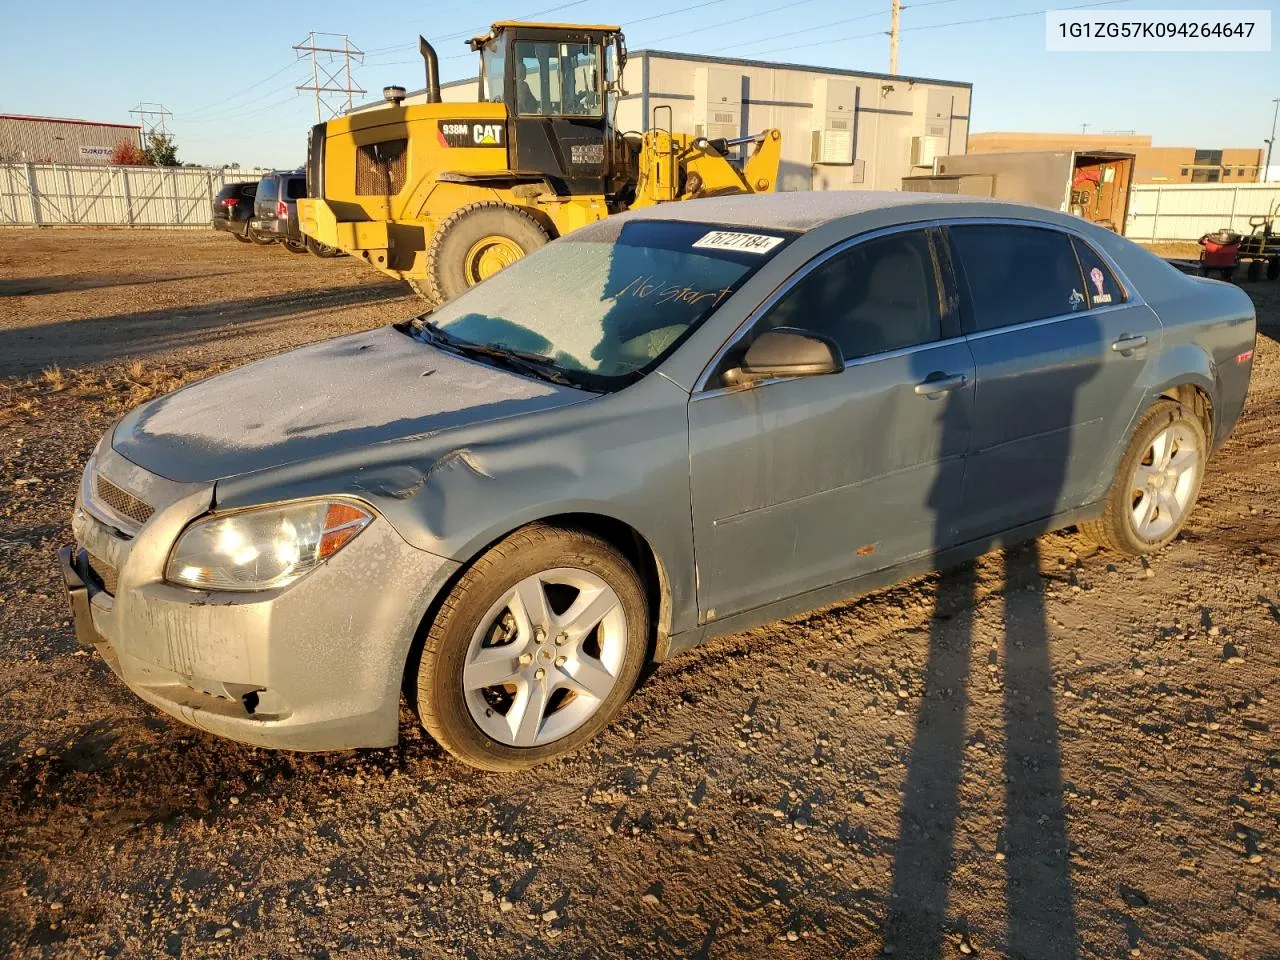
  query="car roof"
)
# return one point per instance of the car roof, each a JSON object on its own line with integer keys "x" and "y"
{"x": 805, "y": 210}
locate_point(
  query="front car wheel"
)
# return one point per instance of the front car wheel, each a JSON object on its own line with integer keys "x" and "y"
{"x": 535, "y": 649}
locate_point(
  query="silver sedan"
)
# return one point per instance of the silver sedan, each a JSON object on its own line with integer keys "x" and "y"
{"x": 673, "y": 424}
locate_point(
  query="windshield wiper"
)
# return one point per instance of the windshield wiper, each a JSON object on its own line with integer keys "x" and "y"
{"x": 533, "y": 364}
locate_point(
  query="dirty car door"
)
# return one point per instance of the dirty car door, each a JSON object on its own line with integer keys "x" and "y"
{"x": 803, "y": 482}
{"x": 1061, "y": 350}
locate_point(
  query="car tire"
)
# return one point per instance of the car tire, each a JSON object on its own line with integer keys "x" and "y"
{"x": 322, "y": 250}
{"x": 1156, "y": 484}
{"x": 255, "y": 237}
{"x": 476, "y": 241}
{"x": 1273, "y": 268}
{"x": 1254, "y": 272}
{"x": 242, "y": 237}
{"x": 293, "y": 247}
{"x": 485, "y": 630}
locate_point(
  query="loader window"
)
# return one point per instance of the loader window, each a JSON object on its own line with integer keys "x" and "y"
{"x": 557, "y": 79}
{"x": 493, "y": 66}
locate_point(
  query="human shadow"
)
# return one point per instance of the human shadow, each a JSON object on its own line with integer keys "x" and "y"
{"x": 1032, "y": 443}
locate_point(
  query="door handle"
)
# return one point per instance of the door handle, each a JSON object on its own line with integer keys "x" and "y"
{"x": 1127, "y": 344}
{"x": 941, "y": 385}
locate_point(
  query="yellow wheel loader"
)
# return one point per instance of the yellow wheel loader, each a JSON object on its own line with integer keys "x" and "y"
{"x": 445, "y": 194}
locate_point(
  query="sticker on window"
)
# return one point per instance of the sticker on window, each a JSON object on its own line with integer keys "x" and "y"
{"x": 745, "y": 242}
{"x": 1099, "y": 281}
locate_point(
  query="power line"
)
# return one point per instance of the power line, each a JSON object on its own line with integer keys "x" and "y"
{"x": 464, "y": 34}
{"x": 827, "y": 26}
{"x": 152, "y": 117}
{"x": 330, "y": 76}
{"x": 951, "y": 23}
{"x": 722, "y": 23}
{"x": 227, "y": 113}
{"x": 238, "y": 93}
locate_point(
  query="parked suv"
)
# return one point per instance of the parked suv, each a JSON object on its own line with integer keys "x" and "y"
{"x": 275, "y": 209}
{"x": 233, "y": 209}
{"x": 275, "y": 213}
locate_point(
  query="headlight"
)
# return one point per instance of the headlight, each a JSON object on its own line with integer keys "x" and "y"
{"x": 263, "y": 548}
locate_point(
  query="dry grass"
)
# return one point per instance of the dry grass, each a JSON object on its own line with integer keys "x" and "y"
{"x": 112, "y": 389}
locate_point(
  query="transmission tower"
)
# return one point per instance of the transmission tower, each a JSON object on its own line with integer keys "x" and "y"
{"x": 153, "y": 118}
{"x": 330, "y": 71}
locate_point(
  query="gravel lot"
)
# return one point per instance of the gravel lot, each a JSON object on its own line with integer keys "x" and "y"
{"x": 1049, "y": 753}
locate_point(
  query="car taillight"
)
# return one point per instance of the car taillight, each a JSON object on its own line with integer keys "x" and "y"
{"x": 281, "y": 209}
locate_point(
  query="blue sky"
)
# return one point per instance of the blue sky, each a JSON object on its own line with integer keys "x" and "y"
{"x": 227, "y": 73}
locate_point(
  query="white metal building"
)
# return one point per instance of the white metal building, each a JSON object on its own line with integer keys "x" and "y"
{"x": 841, "y": 129}
{"x": 57, "y": 140}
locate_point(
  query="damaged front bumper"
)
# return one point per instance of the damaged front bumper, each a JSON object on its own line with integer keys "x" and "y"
{"x": 316, "y": 665}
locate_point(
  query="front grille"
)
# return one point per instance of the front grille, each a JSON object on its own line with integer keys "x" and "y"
{"x": 380, "y": 168}
{"x": 105, "y": 573}
{"x": 123, "y": 502}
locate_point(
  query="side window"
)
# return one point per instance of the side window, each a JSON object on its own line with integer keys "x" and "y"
{"x": 877, "y": 296}
{"x": 557, "y": 79}
{"x": 249, "y": 190}
{"x": 297, "y": 188}
{"x": 1100, "y": 282}
{"x": 1016, "y": 274}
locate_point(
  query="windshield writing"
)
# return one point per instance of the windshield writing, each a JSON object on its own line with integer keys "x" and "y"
{"x": 609, "y": 308}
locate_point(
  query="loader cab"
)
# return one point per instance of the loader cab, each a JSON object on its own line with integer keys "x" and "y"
{"x": 555, "y": 80}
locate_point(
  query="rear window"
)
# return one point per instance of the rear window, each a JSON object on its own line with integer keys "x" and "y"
{"x": 297, "y": 188}
{"x": 268, "y": 188}
{"x": 248, "y": 189}
{"x": 227, "y": 192}
{"x": 1016, "y": 274}
{"x": 1100, "y": 283}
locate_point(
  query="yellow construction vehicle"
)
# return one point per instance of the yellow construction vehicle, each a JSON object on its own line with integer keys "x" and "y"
{"x": 445, "y": 194}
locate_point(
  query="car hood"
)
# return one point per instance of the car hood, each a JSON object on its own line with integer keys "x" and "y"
{"x": 321, "y": 400}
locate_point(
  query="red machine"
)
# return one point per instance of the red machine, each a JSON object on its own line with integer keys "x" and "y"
{"x": 1219, "y": 252}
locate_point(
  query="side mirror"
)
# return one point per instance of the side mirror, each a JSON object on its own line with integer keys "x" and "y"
{"x": 786, "y": 352}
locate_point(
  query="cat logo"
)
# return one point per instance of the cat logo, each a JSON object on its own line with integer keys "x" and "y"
{"x": 467, "y": 133}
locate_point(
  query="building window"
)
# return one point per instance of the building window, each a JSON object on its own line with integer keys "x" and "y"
{"x": 1204, "y": 176}
{"x": 1185, "y": 171}
{"x": 1240, "y": 172}
{"x": 1210, "y": 158}
{"x": 1226, "y": 172}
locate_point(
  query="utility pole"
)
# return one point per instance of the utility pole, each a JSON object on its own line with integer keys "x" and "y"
{"x": 895, "y": 18}
{"x": 153, "y": 118}
{"x": 1272, "y": 142}
{"x": 330, "y": 71}
{"x": 1084, "y": 127}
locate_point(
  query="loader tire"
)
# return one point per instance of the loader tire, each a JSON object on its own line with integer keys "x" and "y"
{"x": 477, "y": 241}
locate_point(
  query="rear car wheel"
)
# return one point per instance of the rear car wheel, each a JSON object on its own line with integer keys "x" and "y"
{"x": 534, "y": 651}
{"x": 293, "y": 247}
{"x": 1254, "y": 272}
{"x": 321, "y": 249}
{"x": 242, "y": 237}
{"x": 258, "y": 238}
{"x": 477, "y": 241}
{"x": 1273, "y": 268}
{"x": 1156, "y": 484}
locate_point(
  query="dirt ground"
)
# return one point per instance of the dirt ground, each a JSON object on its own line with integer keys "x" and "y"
{"x": 1050, "y": 753}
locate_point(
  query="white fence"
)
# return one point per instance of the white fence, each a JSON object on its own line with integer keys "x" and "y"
{"x": 43, "y": 195}
{"x": 1160, "y": 213}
